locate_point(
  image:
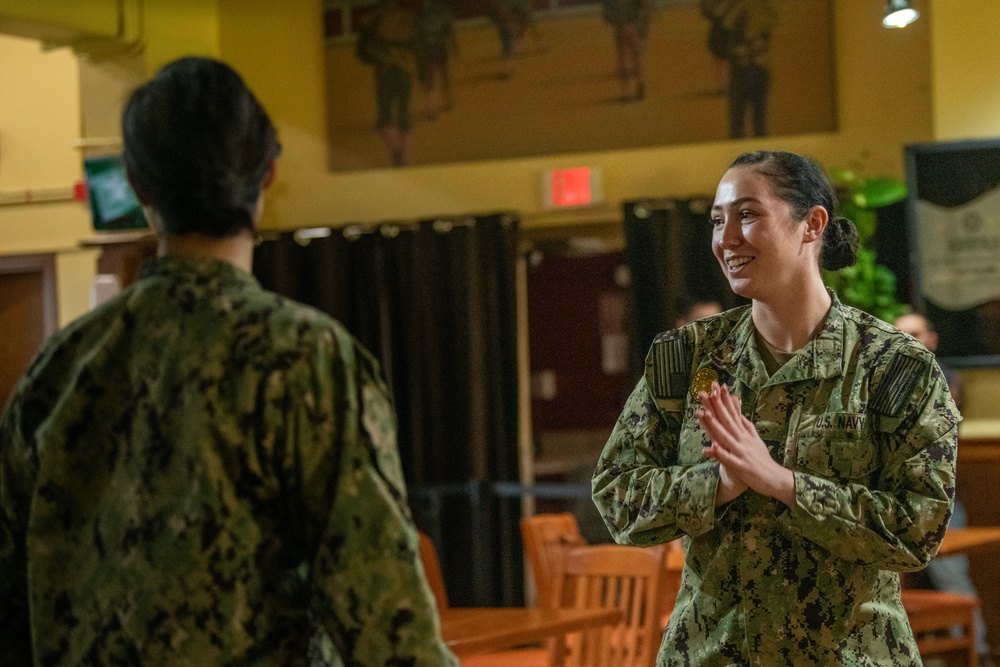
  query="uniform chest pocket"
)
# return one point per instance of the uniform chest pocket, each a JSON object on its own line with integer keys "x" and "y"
{"x": 836, "y": 454}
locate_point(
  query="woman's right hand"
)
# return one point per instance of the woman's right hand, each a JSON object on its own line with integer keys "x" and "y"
{"x": 717, "y": 414}
{"x": 737, "y": 446}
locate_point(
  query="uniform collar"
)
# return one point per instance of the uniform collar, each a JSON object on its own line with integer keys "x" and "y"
{"x": 821, "y": 358}
{"x": 198, "y": 270}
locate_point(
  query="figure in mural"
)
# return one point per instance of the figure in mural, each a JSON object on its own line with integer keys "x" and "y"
{"x": 513, "y": 19}
{"x": 721, "y": 17}
{"x": 388, "y": 41}
{"x": 630, "y": 20}
{"x": 436, "y": 35}
{"x": 749, "y": 69}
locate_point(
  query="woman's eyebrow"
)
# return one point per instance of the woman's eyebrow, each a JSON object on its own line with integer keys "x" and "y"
{"x": 736, "y": 202}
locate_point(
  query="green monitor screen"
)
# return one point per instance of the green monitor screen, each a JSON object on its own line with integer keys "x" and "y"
{"x": 113, "y": 204}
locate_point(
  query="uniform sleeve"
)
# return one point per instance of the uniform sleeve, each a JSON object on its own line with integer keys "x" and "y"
{"x": 895, "y": 521}
{"x": 369, "y": 587}
{"x": 644, "y": 495}
{"x": 13, "y": 567}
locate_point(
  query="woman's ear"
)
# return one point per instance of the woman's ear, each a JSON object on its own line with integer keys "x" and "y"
{"x": 269, "y": 176}
{"x": 816, "y": 220}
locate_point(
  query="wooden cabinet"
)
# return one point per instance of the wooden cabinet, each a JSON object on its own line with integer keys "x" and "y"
{"x": 979, "y": 489}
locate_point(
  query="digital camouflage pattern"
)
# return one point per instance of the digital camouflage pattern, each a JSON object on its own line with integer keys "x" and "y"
{"x": 201, "y": 472}
{"x": 863, "y": 416}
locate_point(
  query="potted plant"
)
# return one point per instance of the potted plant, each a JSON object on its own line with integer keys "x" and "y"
{"x": 867, "y": 285}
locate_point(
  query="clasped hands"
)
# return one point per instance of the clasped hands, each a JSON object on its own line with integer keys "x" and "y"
{"x": 744, "y": 461}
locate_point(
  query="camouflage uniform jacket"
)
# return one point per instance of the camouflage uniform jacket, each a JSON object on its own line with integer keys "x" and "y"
{"x": 863, "y": 417}
{"x": 200, "y": 472}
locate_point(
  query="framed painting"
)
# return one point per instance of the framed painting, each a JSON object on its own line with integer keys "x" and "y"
{"x": 416, "y": 82}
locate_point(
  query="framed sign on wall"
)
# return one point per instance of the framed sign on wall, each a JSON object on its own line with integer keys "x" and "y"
{"x": 954, "y": 212}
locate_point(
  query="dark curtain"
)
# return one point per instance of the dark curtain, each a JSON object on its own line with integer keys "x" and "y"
{"x": 668, "y": 249}
{"x": 435, "y": 301}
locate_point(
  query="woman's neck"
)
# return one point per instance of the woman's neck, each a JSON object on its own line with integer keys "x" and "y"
{"x": 237, "y": 250}
{"x": 792, "y": 321}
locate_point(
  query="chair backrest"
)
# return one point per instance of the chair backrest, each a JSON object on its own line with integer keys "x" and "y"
{"x": 630, "y": 579}
{"x": 545, "y": 536}
{"x": 432, "y": 569}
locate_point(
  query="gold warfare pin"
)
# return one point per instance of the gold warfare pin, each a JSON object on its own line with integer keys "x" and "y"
{"x": 703, "y": 380}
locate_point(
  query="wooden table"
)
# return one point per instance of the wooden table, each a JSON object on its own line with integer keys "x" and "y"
{"x": 969, "y": 540}
{"x": 468, "y": 630}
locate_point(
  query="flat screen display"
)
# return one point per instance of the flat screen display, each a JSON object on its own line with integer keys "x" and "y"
{"x": 113, "y": 204}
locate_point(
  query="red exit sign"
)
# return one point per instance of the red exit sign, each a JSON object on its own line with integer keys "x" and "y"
{"x": 580, "y": 186}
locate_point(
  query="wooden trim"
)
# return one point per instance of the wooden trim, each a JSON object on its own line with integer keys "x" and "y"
{"x": 979, "y": 449}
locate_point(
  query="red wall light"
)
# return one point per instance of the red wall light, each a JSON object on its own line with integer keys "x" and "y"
{"x": 580, "y": 186}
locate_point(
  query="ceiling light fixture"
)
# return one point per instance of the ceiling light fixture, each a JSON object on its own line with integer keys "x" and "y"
{"x": 899, "y": 14}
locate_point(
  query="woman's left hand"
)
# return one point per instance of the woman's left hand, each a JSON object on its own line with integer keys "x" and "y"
{"x": 737, "y": 446}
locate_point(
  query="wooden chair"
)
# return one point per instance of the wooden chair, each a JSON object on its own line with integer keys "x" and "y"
{"x": 544, "y": 537}
{"x": 432, "y": 569}
{"x": 618, "y": 577}
{"x": 933, "y": 615}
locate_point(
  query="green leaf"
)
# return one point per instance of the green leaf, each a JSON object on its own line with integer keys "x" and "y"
{"x": 842, "y": 175}
{"x": 877, "y": 192}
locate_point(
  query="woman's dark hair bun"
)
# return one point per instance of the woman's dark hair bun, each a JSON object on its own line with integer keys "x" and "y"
{"x": 199, "y": 145}
{"x": 840, "y": 244}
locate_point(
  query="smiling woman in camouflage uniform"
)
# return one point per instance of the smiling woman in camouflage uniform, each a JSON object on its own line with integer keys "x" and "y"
{"x": 804, "y": 450}
{"x": 200, "y": 472}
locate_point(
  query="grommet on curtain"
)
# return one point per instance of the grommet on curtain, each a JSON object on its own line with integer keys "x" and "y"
{"x": 304, "y": 236}
{"x": 641, "y": 211}
{"x": 353, "y": 232}
{"x": 443, "y": 226}
{"x": 700, "y": 205}
{"x": 389, "y": 231}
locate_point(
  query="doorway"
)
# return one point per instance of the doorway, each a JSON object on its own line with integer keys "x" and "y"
{"x": 578, "y": 340}
{"x": 27, "y": 314}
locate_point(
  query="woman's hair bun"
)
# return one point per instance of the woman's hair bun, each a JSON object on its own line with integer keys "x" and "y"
{"x": 840, "y": 244}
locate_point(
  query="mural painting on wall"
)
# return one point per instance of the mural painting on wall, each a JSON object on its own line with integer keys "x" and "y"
{"x": 415, "y": 82}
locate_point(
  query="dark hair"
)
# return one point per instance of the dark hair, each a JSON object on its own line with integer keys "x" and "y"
{"x": 198, "y": 144}
{"x": 801, "y": 183}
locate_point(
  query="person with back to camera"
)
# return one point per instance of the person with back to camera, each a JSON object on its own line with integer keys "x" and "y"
{"x": 199, "y": 471}
{"x": 804, "y": 450}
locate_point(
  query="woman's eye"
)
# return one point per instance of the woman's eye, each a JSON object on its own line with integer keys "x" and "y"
{"x": 716, "y": 221}
{"x": 744, "y": 214}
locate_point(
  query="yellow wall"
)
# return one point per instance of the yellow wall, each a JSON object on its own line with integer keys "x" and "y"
{"x": 174, "y": 28}
{"x": 39, "y": 123}
{"x": 38, "y": 115}
{"x": 966, "y": 88}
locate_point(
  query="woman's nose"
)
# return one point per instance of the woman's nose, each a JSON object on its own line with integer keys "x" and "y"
{"x": 730, "y": 234}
